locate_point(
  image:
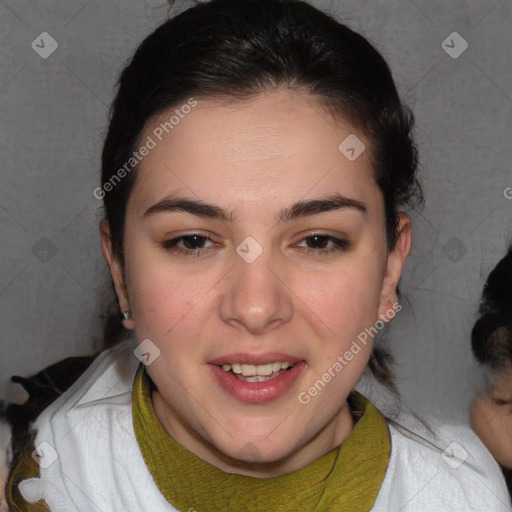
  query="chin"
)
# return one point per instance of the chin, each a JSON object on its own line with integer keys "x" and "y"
{"x": 256, "y": 450}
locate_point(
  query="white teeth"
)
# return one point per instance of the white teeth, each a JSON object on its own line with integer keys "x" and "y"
{"x": 260, "y": 370}
{"x": 264, "y": 370}
{"x": 248, "y": 370}
{"x": 276, "y": 367}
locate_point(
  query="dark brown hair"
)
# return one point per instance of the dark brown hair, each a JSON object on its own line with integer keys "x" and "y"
{"x": 491, "y": 337}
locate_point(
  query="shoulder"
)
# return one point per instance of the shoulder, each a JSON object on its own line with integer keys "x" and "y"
{"x": 110, "y": 375}
{"x": 79, "y": 422}
{"x": 85, "y": 441}
{"x": 440, "y": 466}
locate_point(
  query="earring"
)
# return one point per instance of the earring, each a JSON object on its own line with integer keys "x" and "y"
{"x": 127, "y": 315}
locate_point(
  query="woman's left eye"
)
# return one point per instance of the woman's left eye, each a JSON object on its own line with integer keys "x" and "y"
{"x": 337, "y": 244}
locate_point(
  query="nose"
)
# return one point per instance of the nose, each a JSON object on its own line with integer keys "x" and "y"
{"x": 256, "y": 297}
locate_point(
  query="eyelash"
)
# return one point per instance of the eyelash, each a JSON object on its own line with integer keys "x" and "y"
{"x": 502, "y": 403}
{"x": 339, "y": 245}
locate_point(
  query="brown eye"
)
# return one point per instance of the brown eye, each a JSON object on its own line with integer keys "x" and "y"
{"x": 318, "y": 244}
{"x": 189, "y": 245}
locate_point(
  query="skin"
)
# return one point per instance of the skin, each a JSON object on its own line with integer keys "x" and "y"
{"x": 255, "y": 158}
{"x": 491, "y": 418}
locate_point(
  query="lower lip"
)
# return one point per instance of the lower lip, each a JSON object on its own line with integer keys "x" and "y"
{"x": 258, "y": 392}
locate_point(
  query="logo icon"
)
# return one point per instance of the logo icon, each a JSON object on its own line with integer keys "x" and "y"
{"x": 249, "y": 453}
{"x": 44, "y": 249}
{"x": 249, "y": 249}
{"x": 147, "y": 352}
{"x": 454, "y": 45}
{"x": 44, "y": 45}
{"x": 45, "y": 455}
{"x": 454, "y": 455}
{"x": 352, "y": 147}
{"x": 454, "y": 249}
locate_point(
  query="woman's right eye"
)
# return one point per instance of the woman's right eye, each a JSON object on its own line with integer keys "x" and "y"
{"x": 188, "y": 245}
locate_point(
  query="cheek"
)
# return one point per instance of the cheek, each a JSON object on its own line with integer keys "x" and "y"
{"x": 494, "y": 427}
{"x": 350, "y": 296}
{"x": 163, "y": 300}
{"x": 344, "y": 306}
{"x": 498, "y": 438}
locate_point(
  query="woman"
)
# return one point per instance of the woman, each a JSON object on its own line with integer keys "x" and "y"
{"x": 254, "y": 177}
{"x": 491, "y": 340}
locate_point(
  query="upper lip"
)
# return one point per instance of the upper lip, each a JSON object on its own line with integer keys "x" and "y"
{"x": 255, "y": 359}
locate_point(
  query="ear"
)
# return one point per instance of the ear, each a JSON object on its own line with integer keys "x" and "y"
{"x": 115, "y": 270}
{"x": 395, "y": 263}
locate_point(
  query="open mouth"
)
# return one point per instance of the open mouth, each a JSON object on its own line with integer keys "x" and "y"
{"x": 257, "y": 383}
{"x": 257, "y": 373}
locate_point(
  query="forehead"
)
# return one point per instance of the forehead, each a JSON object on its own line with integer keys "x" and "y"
{"x": 276, "y": 145}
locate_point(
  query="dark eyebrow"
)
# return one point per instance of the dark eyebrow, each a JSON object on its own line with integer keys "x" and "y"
{"x": 296, "y": 211}
{"x": 323, "y": 205}
{"x": 192, "y": 206}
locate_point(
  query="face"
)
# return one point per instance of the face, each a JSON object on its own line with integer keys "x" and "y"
{"x": 491, "y": 418}
{"x": 253, "y": 245}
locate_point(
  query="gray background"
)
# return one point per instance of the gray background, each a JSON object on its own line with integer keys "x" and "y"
{"x": 53, "y": 117}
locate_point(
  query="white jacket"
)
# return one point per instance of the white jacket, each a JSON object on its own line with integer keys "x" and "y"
{"x": 90, "y": 459}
